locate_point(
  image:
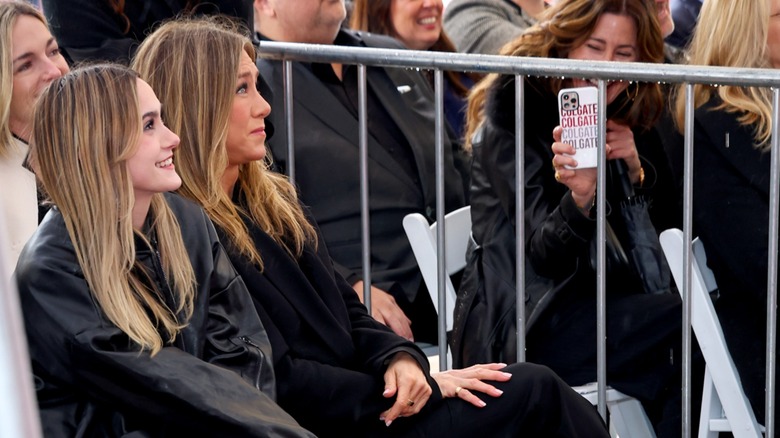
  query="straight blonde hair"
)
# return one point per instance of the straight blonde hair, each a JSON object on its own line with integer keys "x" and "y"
{"x": 9, "y": 13}
{"x": 732, "y": 33}
{"x": 192, "y": 65}
{"x": 86, "y": 126}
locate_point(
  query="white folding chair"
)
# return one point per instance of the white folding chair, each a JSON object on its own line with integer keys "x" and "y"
{"x": 627, "y": 417}
{"x": 724, "y": 408}
{"x": 422, "y": 237}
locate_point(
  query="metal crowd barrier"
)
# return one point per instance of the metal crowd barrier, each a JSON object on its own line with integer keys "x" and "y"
{"x": 519, "y": 66}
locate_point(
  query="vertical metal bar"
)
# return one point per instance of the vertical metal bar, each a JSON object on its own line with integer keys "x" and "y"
{"x": 601, "y": 295}
{"x": 771, "y": 299}
{"x": 519, "y": 216}
{"x": 441, "y": 259}
{"x": 687, "y": 259}
{"x": 288, "y": 115}
{"x": 364, "y": 223}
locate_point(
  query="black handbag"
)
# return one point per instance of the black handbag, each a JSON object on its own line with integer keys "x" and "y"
{"x": 643, "y": 249}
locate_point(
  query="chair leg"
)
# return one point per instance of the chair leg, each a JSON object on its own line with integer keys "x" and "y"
{"x": 627, "y": 419}
{"x": 711, "y": 408}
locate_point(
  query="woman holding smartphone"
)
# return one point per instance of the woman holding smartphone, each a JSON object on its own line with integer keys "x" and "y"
{"x": 136, "y": 321}
{"x": 559, "y": 222}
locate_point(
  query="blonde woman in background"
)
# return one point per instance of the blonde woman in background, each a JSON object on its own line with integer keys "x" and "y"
{"x": 732, "y": 133}
{"x": 29, "y": 60}
{"x": 135, "y": 319}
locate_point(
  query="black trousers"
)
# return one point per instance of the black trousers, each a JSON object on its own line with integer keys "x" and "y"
{"x": 535, "y": 403}
{"x": 643, "y": 344}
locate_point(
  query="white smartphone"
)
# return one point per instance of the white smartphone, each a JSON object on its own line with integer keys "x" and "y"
{"x": 578, "y": 112}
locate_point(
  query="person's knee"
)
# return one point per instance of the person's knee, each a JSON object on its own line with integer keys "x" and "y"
{"x": 528, "y": 376}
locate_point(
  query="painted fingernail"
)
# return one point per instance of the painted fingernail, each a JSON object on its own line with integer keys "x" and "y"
{"x": 499, "y": 391}
{"x": 387, "y": 391}
{"x": 388, "y": 423}
{"x": 482, "y": 404}
{"x": 507, "y": 374}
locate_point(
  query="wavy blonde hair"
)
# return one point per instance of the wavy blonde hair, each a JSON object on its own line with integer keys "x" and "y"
{"x": 746, "y": 22}
{"x": 86, "y": 126}
{"x": 568, "y": 25}
{"x": 9, "y": 12}
{"x": 193, "y": 65}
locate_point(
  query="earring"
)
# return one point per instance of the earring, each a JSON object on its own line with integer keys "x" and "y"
{"x": 636, "y": 91}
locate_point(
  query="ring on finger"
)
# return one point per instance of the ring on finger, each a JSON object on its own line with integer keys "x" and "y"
{"x": 410, "y": 403}
{"x": 557, "y": 176}
{"x": 458, "y": 389}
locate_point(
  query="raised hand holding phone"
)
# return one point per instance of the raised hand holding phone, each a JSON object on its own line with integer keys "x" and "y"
{"x": 578, "y": 112}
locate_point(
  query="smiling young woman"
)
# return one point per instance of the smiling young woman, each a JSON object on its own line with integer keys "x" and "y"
{"x": 127, "y": 293}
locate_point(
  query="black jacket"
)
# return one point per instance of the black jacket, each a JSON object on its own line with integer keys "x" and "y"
{"x": 327, "y": 166}
{"x": 558, "y": 235}
{"x": 329, "y": 353}
{"x": 89, "y": 30}
{"x": 91, "y": 380}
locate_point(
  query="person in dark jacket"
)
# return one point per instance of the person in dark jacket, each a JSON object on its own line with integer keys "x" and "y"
{"x": 401, "y": 157}
{"x": 559, "y": 220}
{"x": 418, "y": 26}
{"x": 339, "y": 371}
{"x": 110, "y": 30}
{"x": 731, "y": 177}
{"x": 136, "y": 321}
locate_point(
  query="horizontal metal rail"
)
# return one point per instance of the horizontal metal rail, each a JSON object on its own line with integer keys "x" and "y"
{"x": 602, "y": 72}
{"x": 630, "y": 71}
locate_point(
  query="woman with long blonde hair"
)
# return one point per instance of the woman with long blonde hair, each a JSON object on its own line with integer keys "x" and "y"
{"x": 136, "y": 321}
{"x": 731, "y": 178}
{"x": 339, "y": 371}
{"x": 29, "y": 60}
{"x": 560, "y": 229}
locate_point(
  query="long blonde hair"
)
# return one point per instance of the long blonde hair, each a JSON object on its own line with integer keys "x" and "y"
{"x": 9, "y": 12}
{"x": 566, "y": 26}
{"x": 732, "y": 33}
{"x": 192, "y": 65}
{"x": 86, "y": 127}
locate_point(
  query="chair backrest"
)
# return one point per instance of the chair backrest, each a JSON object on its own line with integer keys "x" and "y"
{"x": 422, "y": 237}
{"x": 709, "y": 333}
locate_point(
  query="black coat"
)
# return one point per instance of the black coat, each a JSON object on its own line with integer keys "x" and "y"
{"x": 330, "y": 357}
{"x": 731, "y": 217}
{"x": 558, "y": 236}
{"x": 327, "y": 167}
{"x": 91, "y": 380}
{"x": 329, "y": 353}
{"x": 91, "y": 30}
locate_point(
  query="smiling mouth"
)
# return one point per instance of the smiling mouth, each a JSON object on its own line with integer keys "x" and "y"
{"x": 164, "y": 163}
{"x": 427, "y": 21}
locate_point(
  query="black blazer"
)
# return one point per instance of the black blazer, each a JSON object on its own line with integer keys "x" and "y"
{"x": 327, "y": 166}
{"x": 329, "y": 355}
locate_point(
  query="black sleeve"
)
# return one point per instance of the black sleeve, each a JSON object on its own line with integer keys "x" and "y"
{"x": 88, "y": 30}
{"x": 74, "y": 346}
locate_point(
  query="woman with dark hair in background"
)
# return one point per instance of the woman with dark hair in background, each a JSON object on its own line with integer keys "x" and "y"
{"x": 339, "y": 372}
{"x": 418, "y": 25}
{"x": 559, "y": 215}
